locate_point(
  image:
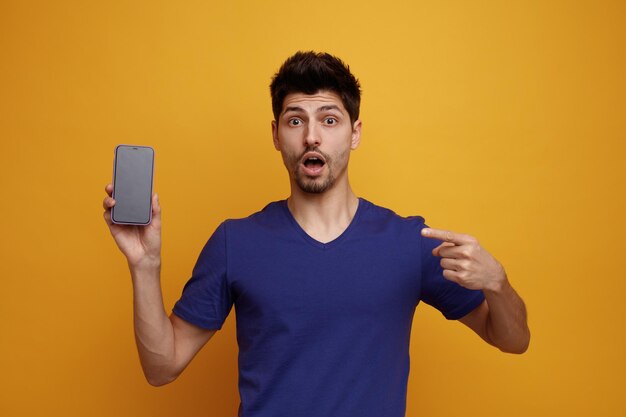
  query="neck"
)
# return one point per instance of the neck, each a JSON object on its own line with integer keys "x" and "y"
{"x": 324, "y": 216}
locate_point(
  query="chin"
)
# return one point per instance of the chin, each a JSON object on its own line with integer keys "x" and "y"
{"x": 314, "y": 186}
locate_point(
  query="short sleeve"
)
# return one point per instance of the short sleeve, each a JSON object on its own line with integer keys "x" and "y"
{"x": 206, "y": 299}
{"x": 453, "y": 300}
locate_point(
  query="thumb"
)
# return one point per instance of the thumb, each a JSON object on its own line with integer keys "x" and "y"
{"x": 443, "y": 245}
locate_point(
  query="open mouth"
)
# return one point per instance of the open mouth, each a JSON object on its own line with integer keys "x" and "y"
{"x": 314, "y": 162}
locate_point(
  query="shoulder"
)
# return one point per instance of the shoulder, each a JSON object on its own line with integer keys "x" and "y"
{"x": 269, "y": 217}
{"x": 375, "y": 214}
{"x": 391, "y": 232}
{"x": 388, "y": 226}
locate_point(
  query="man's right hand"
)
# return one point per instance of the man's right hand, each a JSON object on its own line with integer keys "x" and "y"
{"x": 140, "y": 244}
{"x": 165, "y": 345}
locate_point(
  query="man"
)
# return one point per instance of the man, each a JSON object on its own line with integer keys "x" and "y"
{"x": 325, "y": 284}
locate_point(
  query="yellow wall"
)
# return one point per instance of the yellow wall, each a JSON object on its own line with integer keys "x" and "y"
{"x": 500, "y": 119}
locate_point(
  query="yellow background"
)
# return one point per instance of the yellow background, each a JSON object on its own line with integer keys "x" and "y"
{"x": 504, "y": 120}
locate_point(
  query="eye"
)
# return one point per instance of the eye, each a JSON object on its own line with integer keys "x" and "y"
{"x": 294, "y": 122}
{"x": 330, "y": 121}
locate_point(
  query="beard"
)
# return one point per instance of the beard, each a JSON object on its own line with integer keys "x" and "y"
{"x": 308, "y": 184}
{"x": 314, "y": 186}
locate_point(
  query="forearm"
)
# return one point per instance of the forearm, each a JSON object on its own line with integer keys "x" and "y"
{"x": 154, "y": 333}
{"x": 507, "y": 326}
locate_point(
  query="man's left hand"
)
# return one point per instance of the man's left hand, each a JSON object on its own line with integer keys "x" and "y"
{"x": 465, "y": 262}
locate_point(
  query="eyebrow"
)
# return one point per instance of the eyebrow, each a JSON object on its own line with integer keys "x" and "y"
{"x": 330, "y": 107}
{"x": 319, "y": 110}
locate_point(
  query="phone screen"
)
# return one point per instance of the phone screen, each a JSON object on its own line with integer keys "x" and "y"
{"x": 132, "y": 185}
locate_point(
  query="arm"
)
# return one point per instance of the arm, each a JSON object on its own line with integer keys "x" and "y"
{"x": 501, "y": 319}
{"x": 165, "y": 345}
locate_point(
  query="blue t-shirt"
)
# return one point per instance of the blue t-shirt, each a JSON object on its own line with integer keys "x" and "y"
{"x": 323, "y": 328}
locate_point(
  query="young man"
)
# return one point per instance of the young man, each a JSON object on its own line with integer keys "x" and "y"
{"x": 325, "y": 284}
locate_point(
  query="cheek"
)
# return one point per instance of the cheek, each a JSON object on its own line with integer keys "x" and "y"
{"x": 290, "y": 159}
{"x": 343, "y": 157}
{"x": 289, "y": 134}
{"x": 342, "y": 154}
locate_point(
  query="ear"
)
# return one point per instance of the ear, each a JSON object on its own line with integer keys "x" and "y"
{"x": 356, "y": 135}
{"x": 275, "y": 134}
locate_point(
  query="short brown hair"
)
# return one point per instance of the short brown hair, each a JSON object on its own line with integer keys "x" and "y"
{"x": 310, "y": 72}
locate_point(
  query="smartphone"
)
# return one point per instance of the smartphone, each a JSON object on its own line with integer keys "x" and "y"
{"x": 133, "y": 173}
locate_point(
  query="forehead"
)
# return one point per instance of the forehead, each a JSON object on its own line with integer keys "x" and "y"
{"x": 313, "y": 101}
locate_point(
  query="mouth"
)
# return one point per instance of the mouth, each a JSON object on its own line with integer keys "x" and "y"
{"x": 313, "y": 163}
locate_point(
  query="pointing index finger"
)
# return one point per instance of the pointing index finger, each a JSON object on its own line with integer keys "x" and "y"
{"x": 445, "y": 235}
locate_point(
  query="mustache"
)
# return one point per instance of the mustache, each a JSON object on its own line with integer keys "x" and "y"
{"x": 315, "y": 149}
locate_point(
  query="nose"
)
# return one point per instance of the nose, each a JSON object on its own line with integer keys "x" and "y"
{"x": 312, "y": 135}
